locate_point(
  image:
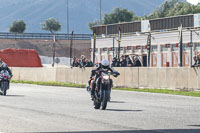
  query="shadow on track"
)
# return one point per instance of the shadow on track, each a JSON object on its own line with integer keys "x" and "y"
{"x": 194, "y": 125}
{"x": 15, "y": 96}
{"x": 117, "y": 102}
{"x": 123, "y": 110}
{"x": 138, "y": 131}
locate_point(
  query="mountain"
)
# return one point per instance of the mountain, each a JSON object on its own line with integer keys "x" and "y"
{"x": 33, "y": 12}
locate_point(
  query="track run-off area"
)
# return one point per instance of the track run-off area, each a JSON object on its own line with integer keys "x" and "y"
{"x": 47, "y": 109}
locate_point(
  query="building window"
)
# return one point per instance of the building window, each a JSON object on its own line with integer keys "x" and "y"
{"x": 197, "y": 46}
{"x": 144, "y": 49}
{"x": 154, "y": 48}
{"x": 174, "y": 47}
{"x": 185, "y": 47}
{"x": 163, "y": 48}
{"x": 135, "y": 50}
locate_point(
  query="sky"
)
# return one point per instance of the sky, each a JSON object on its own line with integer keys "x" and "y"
{"x": 194, "y": 1}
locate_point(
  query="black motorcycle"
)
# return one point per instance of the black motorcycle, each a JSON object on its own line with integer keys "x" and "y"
{"x": 4, "y": 81}
{"x": 103, "y": 89}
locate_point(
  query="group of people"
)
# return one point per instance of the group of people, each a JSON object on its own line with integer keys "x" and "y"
{"x": 125, "y": 61}
{"x": 82, "y": 62}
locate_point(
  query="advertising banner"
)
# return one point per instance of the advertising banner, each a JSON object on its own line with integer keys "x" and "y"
{"x": 145, "y": 26}
{"x": 197, "y": 20}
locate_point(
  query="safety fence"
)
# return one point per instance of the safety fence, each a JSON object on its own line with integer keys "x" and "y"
{"x": 47, "y": 36}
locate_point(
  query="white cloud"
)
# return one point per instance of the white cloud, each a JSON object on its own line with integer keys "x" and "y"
{"x": 193, "y": 1}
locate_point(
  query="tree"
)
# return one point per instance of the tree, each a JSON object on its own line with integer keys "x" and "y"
{"x": 91, "y": 24}
{"x": 119, "y": 15}
{"x": 18, "y": 26}
{"x": 51, "y": 25}
{"x": 174, "y": 8}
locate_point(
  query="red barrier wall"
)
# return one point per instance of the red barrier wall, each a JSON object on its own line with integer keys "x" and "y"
{"x": 20, "y": 58}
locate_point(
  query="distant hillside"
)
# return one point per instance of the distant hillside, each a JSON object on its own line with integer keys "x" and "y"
{"x": 33, "y": 12}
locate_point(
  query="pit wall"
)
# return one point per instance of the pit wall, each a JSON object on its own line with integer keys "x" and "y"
{"x": 164, "y": 78}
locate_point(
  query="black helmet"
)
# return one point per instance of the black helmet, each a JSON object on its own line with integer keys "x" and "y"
{"x": 4, "y": 66}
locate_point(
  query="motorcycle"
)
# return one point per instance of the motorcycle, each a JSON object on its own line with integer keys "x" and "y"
{"x": 103, "y": 89}
{"x": 4, "y": 81}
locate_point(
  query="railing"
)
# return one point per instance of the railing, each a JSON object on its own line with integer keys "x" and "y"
{"x": 47, "y": 36}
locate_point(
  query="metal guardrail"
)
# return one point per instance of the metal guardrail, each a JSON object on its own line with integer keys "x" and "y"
{"x": 47, "y": 36}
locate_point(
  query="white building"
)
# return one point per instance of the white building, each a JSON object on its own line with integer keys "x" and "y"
{"x": 165, "y": 43}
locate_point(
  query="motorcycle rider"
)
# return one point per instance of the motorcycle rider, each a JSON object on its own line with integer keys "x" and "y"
{"x": 5, "y": 67}
{"x": 105, "y": 66}
{"x": 1, "y": 62}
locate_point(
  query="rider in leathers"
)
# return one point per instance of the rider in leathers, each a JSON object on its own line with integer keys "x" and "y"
{"x": 105, "y": 66}
{"x": 5, "y": 67}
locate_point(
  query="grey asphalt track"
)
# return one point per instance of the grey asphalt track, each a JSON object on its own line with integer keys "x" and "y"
{"x": 43, "y": 109}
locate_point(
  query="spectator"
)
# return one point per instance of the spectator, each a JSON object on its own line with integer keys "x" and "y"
{"x": 198, "y": 60}
{"x": 83, "y": 62}
{"x": 90, "y": 63}
{"x": 74, "y": 62}
{"x": 79, "y": 63}
{"x": 129, "y": 62}
{"x": 115, "y": 63}
{"x": 137, "y": 62}
{"x": 195, "y": 61}
{"x": 123, "y": 61}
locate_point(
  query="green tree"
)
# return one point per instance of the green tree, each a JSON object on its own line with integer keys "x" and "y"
{"x": 51, "y": 25}
{"x": 119, "y": 15}
{"x": 18, "y": 26}
{"x": 174, "y": 8}
{"x": 91, "y": 24}
{"x": 116, "y": 16}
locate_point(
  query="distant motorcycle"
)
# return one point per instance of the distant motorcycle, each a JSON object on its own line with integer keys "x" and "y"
{"x": 4, "y": 81}
{"x": 102, "y": 91}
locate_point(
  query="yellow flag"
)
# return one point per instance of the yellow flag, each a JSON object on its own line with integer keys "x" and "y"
{"x": 119, "y": 35}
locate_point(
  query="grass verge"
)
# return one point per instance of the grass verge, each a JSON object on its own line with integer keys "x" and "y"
{"x": 162, "y": 91}
{"x": 49, "y": 83}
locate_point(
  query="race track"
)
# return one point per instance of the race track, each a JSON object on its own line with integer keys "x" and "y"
{"x": 43, "y": 109}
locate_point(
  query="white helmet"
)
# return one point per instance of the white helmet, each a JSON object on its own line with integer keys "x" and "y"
{"x": 105, "y": 64}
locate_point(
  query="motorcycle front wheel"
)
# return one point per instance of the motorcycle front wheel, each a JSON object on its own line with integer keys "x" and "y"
{"x": 105, "y": 99}
{"x": 4, "y": 87}
{"x": 97, "y": 104}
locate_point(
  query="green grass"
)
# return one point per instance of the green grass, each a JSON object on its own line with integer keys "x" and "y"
{"x": 49, "y": 83}
{"x": 162, "y": 91}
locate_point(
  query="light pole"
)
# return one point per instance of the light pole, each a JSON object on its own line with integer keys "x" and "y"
{"x": 149, "y": 48}
{"x": 68, "y": 18}
{"x": 191, "y": 48}
{"x": 113, "y": 47}
{"x": 119, "y": 43}
{"x": 181, "y": 46}
{"x": 100, "y": 11}
{"x": 71, "y": 43}
{"x": 54, "y": 49}
{"x": 94, "y": 47}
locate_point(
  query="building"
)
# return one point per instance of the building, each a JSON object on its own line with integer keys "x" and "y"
{"x": 174, "y": 41}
